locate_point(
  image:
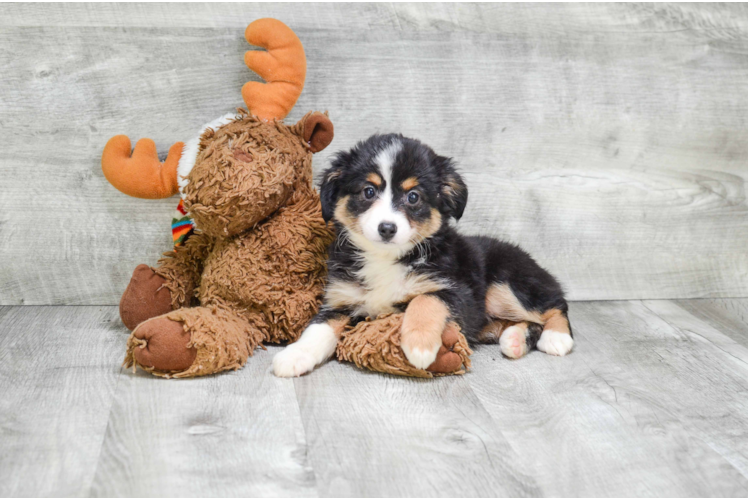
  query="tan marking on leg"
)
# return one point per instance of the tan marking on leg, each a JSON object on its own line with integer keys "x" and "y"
{"x": 554, "y": 319}
{"x": 502, "y": 303}
{"x": 556, "y": 338}
{"x": 338, "y": 324}
{"x": 423, "y": 324}
{"x": 492, "y": 331}
{"x": 409, "y": 183}
{"x": 375, "y": 179}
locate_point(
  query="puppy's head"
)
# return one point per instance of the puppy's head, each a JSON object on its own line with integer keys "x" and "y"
{"x": 392, "y": 192}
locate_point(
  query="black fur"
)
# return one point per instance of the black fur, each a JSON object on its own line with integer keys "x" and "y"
{"x": 470, "y": 264}
{"x": 441, "y": 184}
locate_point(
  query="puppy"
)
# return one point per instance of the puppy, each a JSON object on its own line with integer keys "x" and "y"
{"x": 391, "y": 199}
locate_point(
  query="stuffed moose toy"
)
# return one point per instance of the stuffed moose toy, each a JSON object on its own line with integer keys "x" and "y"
{"x": 253, "y": 269}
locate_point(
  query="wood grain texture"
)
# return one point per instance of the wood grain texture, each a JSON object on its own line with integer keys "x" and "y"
{"x": 607, "y": 139}
{"x": 58, "y": 372}
{"x": 729, "y": 316}
{"x": 519, "y": 18}
{"x": 235, "y": 434}
{"x": 641, "y": 407}
{"x": 373, "y": 435}
{"x": 649, "y": 403}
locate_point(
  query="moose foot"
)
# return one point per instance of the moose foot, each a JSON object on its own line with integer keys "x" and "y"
{"x": 162, "y": 344}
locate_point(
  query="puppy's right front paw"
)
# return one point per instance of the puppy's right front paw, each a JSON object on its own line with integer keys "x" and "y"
{"x": 419, "y": 354}
{"x": 293, "y": 362}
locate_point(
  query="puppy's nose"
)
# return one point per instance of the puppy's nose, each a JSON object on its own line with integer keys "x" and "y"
{"x": 387, "y": 230}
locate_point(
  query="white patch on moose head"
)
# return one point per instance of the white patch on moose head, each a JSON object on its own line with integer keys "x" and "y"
{"x": 192, "y": 148}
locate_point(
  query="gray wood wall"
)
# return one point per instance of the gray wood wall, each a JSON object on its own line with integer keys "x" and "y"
{"x": 610, "y": 140}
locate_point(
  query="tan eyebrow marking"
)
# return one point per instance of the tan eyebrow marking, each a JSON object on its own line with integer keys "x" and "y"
{"x": 375, "y": 179}
{"x": 409, "y": 183}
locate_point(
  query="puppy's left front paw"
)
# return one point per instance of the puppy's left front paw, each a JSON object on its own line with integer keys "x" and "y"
{"x": 292, "y": 362}
{"x": 419, "y": 353}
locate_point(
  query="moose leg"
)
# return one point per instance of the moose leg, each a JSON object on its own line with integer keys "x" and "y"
{"x": 191, "y": 342}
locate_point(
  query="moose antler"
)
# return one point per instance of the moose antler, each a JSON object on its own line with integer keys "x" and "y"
{"x": 140, "y": 175}
{"x": 283, "y": 67}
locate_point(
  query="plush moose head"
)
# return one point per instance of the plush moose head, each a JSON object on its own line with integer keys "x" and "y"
{"x": 247, "y": 169}
{"x": 242, "y": 167}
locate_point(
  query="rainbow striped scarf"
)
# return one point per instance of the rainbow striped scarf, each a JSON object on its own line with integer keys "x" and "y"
{"x": 182, "y": 226}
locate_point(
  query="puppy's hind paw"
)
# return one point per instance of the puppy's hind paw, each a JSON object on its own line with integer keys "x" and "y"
{"x": 513, "y": 342}
{"x": 555, "y": 343}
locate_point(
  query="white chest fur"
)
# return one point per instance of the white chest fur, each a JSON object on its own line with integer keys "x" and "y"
{"x": 383, "y": 283}
{"x": 386, "y": 283}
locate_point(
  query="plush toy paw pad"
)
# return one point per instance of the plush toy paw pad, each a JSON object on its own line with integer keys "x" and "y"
{"x": 144, "y": 298}
{"x": 555, "y": 343}
{"x": 513, "y": 342}
{"x": 447, "y": 361}
{"x": 165, "y": 346}
{"x": 293, "y": 362}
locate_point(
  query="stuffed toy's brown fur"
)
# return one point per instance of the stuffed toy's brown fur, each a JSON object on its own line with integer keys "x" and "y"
{"x": 254, "y": 269}
{"x": 375, "y": 345}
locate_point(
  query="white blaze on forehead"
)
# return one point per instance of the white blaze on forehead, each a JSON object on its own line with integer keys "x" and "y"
{"x": 382, "y": 210}
{"x": 386, "y": 158}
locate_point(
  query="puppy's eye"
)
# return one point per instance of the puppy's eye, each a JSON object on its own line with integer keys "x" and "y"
{"x": 369, "y": 192}
{"x": 413, "y": 197}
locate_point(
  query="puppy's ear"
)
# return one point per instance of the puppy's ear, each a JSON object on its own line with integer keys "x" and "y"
{"x": 453, "y": 192}
{"x": 329, "y": 190}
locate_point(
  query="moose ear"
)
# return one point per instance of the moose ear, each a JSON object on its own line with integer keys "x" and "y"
{"x": 318, "y": 131}
{"x": 453, "y": 192}
{"x": 329, "y": 190}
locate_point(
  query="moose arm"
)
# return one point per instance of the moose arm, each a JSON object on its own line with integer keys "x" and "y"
{"x": 183, "y": 267}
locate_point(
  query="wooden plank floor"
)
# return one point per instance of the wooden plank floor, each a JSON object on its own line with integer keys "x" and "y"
{"x": 651, "y": 402}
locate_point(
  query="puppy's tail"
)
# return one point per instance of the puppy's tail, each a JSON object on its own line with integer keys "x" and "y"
{"x": 534, "y": 331}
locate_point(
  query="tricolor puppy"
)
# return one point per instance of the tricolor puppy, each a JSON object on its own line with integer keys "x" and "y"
{"x": 391, "y": 199}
